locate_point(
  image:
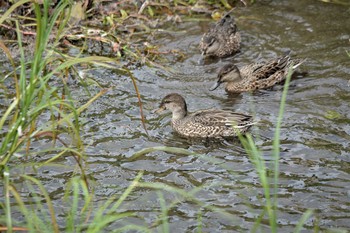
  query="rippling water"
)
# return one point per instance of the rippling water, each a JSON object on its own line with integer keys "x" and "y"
{"x": 315, "y": 134}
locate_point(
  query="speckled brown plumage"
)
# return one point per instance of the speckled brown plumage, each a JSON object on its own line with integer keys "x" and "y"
{"x": 222, "y": 39}
{"x": 255, "y": 76}
{"x": 210, "y": 123}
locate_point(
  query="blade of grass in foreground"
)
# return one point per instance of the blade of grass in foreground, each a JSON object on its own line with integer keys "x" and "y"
{"x": 276, "y": 143}
{"x": 164, "y": 215}
{"x": 302, "y": 220}
{"x": 6, "y": 175}
{"x": 77, "y": 192}
{"x": 260, "y": 164}
{"x": 133, "y": 79}
{"x": 11, "y": 9}
{"x": 48, "y": 201}
{"x": 200, "y": 222}
{"x": 103, "y": 218}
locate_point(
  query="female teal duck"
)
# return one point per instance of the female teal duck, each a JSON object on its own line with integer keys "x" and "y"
{"x": 255, "y": 76}
{"x": 221, "y": 40}
{"x": 210, "y": 123}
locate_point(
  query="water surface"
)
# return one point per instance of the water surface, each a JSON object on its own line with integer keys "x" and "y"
{"x": 315, "y": 145}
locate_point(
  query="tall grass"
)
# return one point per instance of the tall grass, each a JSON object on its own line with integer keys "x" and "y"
{"x": 24, "y": 121}
{"x": 82, "y": 214}
{"x": 269, "y": 180}
{"x": 256, "y": 157}
{"x": 34, "y": 96}
{"x": 21, "y": 122}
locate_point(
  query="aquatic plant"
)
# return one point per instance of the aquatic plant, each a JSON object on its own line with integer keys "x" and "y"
{"x": 268, "y": 176}
{"x": 271, "y": 178}
{"x": 41, "y": 110}
{"x": 42, "y": 107}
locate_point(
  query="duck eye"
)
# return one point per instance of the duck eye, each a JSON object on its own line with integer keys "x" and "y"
{"x": 226, "y": 71}
{"x": 211, "y": 41}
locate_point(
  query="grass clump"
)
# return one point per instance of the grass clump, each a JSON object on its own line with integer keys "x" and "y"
{"x": 42, "y": 107}
{"x": 40, "y": 110}
{"x": 268, "y": 176}
{"x": 256, "y": 157}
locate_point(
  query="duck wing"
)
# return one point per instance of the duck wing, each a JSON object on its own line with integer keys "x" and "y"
{"x": 220, "y": 118}
{"x": 264, "y": 70}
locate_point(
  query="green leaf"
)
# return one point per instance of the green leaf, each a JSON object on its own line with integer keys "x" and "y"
{"x": 123, "y": 13}
{"x": 150, "y": 11}
{"x": 226, "y": 5}
{"x": 331, "y": 115}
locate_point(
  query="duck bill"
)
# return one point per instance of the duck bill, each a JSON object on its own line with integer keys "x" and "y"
{"x": 216, "y": 85}
{"x": 160, "y": 109}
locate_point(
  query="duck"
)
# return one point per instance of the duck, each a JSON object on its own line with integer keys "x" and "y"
{"x": 255, "y": 76}
{"x": 209, "y": 123}
{"x": 221, "y": 40}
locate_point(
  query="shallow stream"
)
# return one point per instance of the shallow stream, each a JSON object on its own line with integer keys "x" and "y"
{"x": 315, "y": 134}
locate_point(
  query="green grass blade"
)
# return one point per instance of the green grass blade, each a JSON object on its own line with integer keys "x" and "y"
{"x": 6, "y": 175}
{"x": 126, "y": 193}
{"x": 276, "y": 142}
{"x": 302, "y": 221}
{"x": 258, "y": 222}
{"x": 22, "y": 207}
{"x": 164, "y": 215}
{"x": 200, "y": 222}
{"x": 7, "y": 113}
{"x": 7, "y": 14}
{"x": 100, "y": 220}
{"x": 48, "y": 201}
{"x": 71, "y": 221}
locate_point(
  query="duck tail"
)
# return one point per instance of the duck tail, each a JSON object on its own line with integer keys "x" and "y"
{"x": 297, "y": 62}
{"x": 287, "y": 60}
{"x": 284, "y": 60}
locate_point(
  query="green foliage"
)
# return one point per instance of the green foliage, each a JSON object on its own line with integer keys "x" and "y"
{"x": 22, "y": 122}
{"x": 34, "y": 97}
{"x": 267, "y": 179}
{"x": 271, "y": 201}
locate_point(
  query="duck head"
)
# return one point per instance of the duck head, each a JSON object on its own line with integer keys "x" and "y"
{"x": 228, "y": 73}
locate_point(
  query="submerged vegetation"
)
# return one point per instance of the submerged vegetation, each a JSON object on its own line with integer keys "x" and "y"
{"x": 37, "y": 38}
